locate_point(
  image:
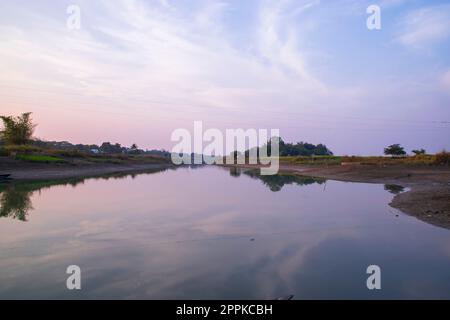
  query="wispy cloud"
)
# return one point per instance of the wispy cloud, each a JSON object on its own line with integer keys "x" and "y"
{"x": 278, "y": 36}
{"x": 168, "y": 54}
{"x": 241, "y": 63}
{"x": 425, "y": 26}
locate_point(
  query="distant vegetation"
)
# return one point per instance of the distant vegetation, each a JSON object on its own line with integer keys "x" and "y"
{"x": 303, "y": 149}
{"x": 47, "y": 154}
{"x": 394, "y": 150}
{"x": 291, "y": 149}
{"x": 107, "y": 148}
{"x": 420, "y": 151}
{"x": 16, "y": 140}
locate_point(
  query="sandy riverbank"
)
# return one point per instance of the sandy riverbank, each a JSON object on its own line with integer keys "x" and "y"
{"x": 427, "y": 199}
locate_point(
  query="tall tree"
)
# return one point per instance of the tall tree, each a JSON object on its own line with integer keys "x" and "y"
{"x": 17, "y": 130}
{"x": 395, "y": 150}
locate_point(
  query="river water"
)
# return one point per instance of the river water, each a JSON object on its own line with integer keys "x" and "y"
{"x": 215, "y": 233}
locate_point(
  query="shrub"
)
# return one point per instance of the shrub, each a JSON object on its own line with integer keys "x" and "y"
{"x": 419, "y": 152}
{"x": 442, "y": 158}
{"x": 395, "y": 150}
{"x": 420, "y": 158}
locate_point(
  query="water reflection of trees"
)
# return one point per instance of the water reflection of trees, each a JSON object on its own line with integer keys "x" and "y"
{"x": 15, "y": 203}
{"x": 276, "y": 182}
{"x": 15, "y": 198}
{"x": 235, "y": 172}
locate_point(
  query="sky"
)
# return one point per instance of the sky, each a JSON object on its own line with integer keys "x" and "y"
{"x": 137, "y": 70}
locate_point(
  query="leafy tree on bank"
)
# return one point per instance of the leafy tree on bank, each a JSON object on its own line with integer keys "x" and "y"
{"x": 420, "y": 151}
{"x": 291, "y": 149}
{"x": 110, "y": 148}
{"x": 395, "y": 150}
{"x": 303, "y": 149}
{"x": 17, "y": 130}
{"x": 134, "y": 149}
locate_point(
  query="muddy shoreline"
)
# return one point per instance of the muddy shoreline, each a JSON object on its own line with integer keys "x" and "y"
{"x": 427, "y": 198}
{"x": 22, "y": 172}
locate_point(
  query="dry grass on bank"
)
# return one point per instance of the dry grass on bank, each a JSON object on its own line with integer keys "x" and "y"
{"x": 29, "y": 153}
{"x": 442, "y": 158}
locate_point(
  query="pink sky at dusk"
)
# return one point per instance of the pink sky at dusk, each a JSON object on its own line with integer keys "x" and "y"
{"x": 137, "y": 70}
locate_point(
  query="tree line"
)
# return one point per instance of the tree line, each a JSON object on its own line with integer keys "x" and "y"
{"x": 19, "y": 130}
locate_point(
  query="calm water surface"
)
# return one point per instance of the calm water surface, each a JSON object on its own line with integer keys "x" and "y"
{"x": 210, "y": 233}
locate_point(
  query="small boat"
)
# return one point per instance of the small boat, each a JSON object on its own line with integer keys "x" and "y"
{"x": 5, "y": 177}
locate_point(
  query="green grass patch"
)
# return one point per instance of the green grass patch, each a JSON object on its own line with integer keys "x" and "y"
{"x": 39, "y": 158}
